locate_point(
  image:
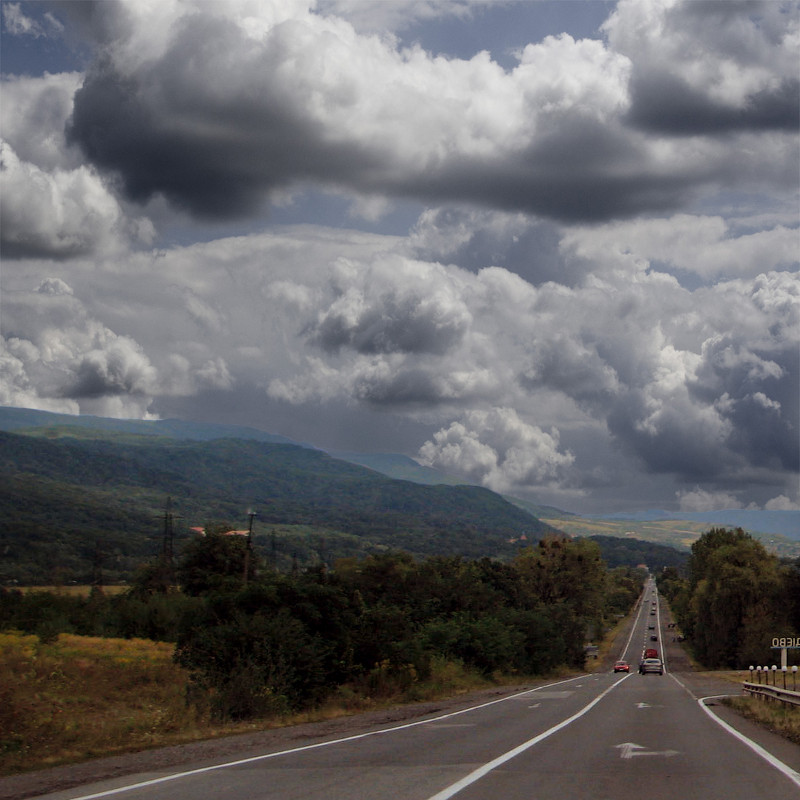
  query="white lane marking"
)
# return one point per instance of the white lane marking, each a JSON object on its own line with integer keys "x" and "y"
{"x": 630, "y": 750}
{"x": 444, "y": 725}
{"x": 477, "y": 774}
{"x": 633, "y": 628}
{"x": 263, "y": 757}
{"x": 756, "y": 748}
{"x": 535, "y": 705}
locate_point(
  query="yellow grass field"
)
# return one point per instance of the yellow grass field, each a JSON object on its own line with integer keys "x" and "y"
{"x": 81, "y": 697}
{"x": 73, "y": 590}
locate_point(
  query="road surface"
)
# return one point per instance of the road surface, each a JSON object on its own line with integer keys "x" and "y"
{"x": 599, "y": 736}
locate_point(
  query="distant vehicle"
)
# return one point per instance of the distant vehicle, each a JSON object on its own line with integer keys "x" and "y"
{"x": 652, "y": 613}
{"x": 651, "y": 665}
{"x": 654, "y": 638}
{"x": 651, "y": 627}
{"x": 622, "y": 666}
{"x": 651, "y": 652}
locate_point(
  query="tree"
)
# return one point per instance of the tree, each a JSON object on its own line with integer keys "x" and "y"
{"x": 737, "y": 598}
{"x": 570, "y": 571}
{"x": 215, "y": 562}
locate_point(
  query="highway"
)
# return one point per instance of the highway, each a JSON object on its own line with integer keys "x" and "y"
{"x": 602, "y": 735}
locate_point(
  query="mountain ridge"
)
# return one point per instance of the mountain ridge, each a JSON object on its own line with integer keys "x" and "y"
{"x": 393, "y": 465}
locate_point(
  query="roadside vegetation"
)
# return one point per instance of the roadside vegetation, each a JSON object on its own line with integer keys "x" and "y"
{"x": 82, "y": 697}
{"x": 276, "y": 648}
{"x": 735, "y": 598}
{"x": 778, "y": 717}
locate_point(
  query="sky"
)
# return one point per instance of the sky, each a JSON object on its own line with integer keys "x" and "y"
{"x": 548, "y": 247}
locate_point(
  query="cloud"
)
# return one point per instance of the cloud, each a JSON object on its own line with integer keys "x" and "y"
{"x": 702, "y": 500}
{"x": 57, "y": 356}
{"x": 497, "y": 449}
{"x": 399, "y": 307}
{"x": 224, "y": 108}
{"x": 18, "y": 23}
{"x": 781, "y": 503}
{"x": 368, "y": 16}
{"x": 623, "y": 373}
{"x": 708, "y": 68}
{"x": 702, "y": 245}
{"x": 53, "y": 205}
{"x": 58, "y": 214}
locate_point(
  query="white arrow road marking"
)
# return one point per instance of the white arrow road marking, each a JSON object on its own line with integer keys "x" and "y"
{"x": 630, "y": 750}
{"x": 643, "y": 705}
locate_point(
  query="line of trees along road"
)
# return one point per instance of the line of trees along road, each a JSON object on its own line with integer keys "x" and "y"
{"x": 736, "y": 598}
{"x": 276, "y": 642}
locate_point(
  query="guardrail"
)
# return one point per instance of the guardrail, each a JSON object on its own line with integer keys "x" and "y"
{"x": 772, "y": 692}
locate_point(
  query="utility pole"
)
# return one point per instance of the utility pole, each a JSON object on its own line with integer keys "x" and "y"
{"x": 249, "y": 548}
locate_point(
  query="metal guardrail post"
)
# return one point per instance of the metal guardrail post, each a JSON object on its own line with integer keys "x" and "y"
{"x": 765, "y": 691}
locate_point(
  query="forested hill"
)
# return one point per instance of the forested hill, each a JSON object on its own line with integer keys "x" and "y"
{"x": 634, "y": 552}
{"x": 71, "y": 498}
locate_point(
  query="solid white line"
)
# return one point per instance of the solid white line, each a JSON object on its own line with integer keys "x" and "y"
{"x": 239, "y": 762}
{"x": 500, "y": 760}
{"x": 639, "y": 614}
{"x": 756, "y": 748}
{"x": 623, "y": 655}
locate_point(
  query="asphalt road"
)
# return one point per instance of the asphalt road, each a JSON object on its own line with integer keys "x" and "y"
{"x": 598, "y": 736}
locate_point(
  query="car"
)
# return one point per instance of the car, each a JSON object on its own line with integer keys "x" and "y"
{"x": 651, "y": 627}
{"x": 654, "y": 638}
{"x": 622, "y": 666}
{"x": 651, "y": 665}
{"x": 652, "y": 613}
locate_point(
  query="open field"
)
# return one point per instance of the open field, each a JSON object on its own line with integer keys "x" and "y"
{"x": 74, "y": 589}
{"x": 84, "y": 697}
{"x": 680, "y": 534}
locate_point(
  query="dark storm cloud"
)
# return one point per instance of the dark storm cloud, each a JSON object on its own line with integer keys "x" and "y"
{"x": 216, "y": 152}
{"x": 216, "y": 120}
{"x": 221, "y": 157}
{"x": 395, "y": 325}
{"x": 408, "y": 387}
{"x": 710, "y": 68}
{"x": 680, "y": 444}
{"x": 664, "y": 103}
{"x": 756, "y": 392}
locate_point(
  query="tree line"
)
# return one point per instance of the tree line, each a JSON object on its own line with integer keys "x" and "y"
{"x": 735, "y": 597}
{"x": 256, "y": 641}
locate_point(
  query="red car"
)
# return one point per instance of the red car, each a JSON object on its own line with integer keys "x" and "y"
{"x": 622, "y": 666}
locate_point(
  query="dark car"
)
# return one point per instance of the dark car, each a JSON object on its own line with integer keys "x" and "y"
{"x": 654, "y": 638}
{"x": 651, "y": 665}
{"x": 622, "y": 666}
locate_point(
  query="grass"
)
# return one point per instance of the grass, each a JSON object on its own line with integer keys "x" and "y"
{"x": 73, "y": 589}
{"x": 83, "y": 697}
{"x": 778, "y": 717}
